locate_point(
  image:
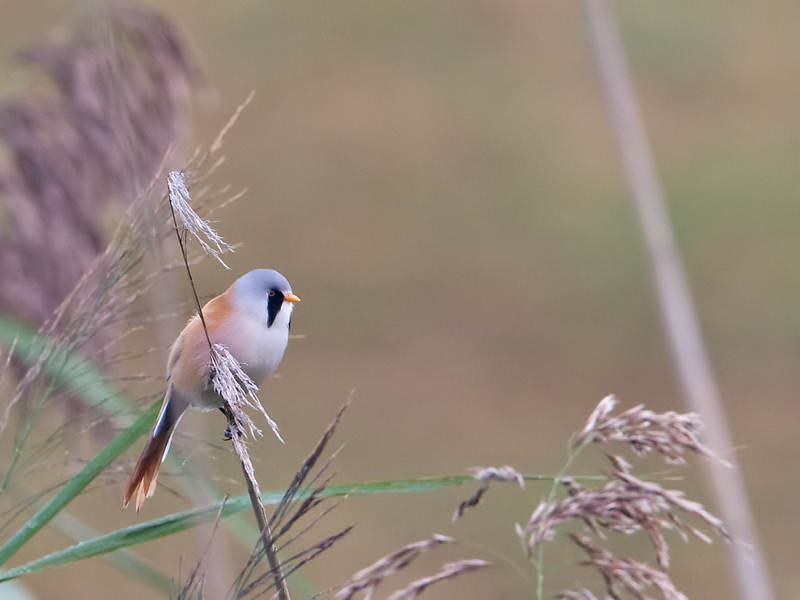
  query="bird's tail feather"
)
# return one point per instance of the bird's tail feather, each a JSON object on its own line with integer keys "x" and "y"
{"x": 143, "y": 479}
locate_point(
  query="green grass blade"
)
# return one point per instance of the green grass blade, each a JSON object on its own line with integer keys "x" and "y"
{"x": 125, "y": 560}
{"x": 130, "y": 536}
{"x": 70, "y": 371}
{"x": 75, "y": 485}
{"x": 181, "y": 521}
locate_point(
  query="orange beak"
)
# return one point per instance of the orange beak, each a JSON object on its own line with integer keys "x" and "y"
{"x": 290, "y": 297}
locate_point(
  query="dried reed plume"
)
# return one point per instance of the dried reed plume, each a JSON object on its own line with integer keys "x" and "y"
{"x": 624, "y": 504}
{"x": 123, "y": 87}
{"x": 368, "y": 579}
{"x": 211, "y": 242}
{"x": 624, "y": 575}
{"x": 302, "y": 497}
{"x": 669, "y": 433}
{"x": 449, "y": 571}
{"x": 101, "y": 299}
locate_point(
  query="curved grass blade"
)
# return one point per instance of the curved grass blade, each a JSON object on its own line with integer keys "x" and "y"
{"x": 75, "y": 485}
{"x": 181, "y": 521}
{"x": 124, "y": 560}
{"x": 75, "y": 374}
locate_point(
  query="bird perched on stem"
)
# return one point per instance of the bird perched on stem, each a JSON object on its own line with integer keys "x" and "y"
{"x": 251, "y": 320}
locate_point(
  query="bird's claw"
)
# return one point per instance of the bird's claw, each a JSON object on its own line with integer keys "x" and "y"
{"x": 227, "y": 436}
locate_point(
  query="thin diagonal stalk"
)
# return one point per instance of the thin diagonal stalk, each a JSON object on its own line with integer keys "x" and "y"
{"x": 677, "y": 309}
{"x": 189, "y": 273}
{"x": 254, "y": 494}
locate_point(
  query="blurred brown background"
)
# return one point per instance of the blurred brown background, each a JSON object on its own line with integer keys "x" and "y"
{"x": 439, "y": 183}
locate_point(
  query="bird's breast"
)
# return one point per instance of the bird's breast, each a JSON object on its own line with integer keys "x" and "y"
{"x": 258, "y": 348}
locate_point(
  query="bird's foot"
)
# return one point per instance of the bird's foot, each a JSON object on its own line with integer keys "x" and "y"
{"x": 227, "y": 436}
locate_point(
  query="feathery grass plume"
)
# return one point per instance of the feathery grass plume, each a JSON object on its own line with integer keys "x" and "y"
{"x": 282, "y": 523}
{"x": 449, "y": 571}
{"x": 200, "y": 229}
{"x": 124, "y": 80}
{"x": 624, "y": 504}
{"x": 281, "y": 510}
{"x": 100, "y": 303}
{"x": 626, "y": 574}
{"x": 368, "y": 579}
{"x": 100, "y": 299}
{"x": 669, "y": 433}
{"x": 232, "y": 383}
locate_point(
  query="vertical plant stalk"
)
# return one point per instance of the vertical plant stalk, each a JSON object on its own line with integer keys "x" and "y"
{"x": 677, "y": 309}
{"x": 235, "y": 428}
{"x": 258, "y": 507}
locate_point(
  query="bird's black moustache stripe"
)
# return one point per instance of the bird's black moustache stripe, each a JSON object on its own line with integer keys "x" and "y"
{"x": 274, "y": 306}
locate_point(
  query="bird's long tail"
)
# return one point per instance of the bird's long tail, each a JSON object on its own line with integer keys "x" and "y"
{"x": 143, "y": 479}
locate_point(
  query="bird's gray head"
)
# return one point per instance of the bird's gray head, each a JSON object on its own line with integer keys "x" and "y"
{"x": 264, "y": 293}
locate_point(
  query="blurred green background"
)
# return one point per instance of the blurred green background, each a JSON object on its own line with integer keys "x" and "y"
{"x": 440, "y": 184}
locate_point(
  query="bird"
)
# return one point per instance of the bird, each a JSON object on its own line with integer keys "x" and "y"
{"x": 251, "y": 319}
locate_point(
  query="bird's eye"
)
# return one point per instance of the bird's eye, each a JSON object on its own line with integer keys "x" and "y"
{"x": 271, "y": 293}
